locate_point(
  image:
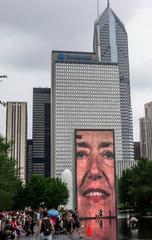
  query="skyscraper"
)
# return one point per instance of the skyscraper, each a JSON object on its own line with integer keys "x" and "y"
{"x": 142, "y": 136}
{"x": 113, "y": 43}
{"x": 16, "y": 133}
{"x": 29, "y": 167}
{"x": 41, "y": 131}
{"x": 137, "y": 151}
{"x": 85, "y": 94}
{"x": 146, "y": 132}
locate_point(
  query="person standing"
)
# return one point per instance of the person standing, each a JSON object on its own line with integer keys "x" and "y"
{"x": 45, "y": 228}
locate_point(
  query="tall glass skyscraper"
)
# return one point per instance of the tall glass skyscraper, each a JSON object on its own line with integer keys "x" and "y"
{"x": 41, "y": 131}
{"x": 114, "y": 49}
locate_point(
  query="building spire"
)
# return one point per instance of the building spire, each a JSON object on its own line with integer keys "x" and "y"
{"x": 108, "y": 3}
{"x": 98, "y": 31}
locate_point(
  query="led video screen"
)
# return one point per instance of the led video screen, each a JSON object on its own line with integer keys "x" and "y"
{"x": 95, "y": 173}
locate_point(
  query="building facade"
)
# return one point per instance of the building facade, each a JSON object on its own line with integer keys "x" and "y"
{"x": 29, "y": 167}
{"x": 16, "y": 133}
{"x": 148, "y": 129}
{"x": 137, "y": 155}
{"x": 122, "y": 166}
{"x": 85, "y": 95}
{"x": 142, "y": 137}
{"x": 114, "y": 49}
{"x": 145, "y": 125}
{"x": 41, "y": 131}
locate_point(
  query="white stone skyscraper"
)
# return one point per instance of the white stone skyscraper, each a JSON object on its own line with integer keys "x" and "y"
{"x": 16, "y": 134}
{"x": 146, "y": 132}
{"x": 114, "y": 49}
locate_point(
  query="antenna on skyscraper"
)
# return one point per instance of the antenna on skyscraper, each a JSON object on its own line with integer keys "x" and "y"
{"x": 98, "y": 31}
{"x": 108, "y": 3}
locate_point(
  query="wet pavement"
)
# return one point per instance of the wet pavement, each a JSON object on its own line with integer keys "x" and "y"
{"x": 107, "y": 229}
{"x": 60, "y": 237}
{"x": 57, "y": 237}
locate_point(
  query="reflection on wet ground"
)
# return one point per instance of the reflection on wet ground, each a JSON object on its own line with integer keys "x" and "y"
{"x": 141, "y": 231}
{"x": 107, "y": 229}
{"x": 104, "y": 229}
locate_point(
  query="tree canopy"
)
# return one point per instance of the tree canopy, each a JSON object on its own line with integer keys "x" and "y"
{"x": 135, "y": 186}
{"x": 8, "y": 178}
{"x": 40, "y": 191}
{"x": 49, "y": 192}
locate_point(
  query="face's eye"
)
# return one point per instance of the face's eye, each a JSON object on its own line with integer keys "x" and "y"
{"x": 108, "y": 155}
{"x": 81, "y": 154}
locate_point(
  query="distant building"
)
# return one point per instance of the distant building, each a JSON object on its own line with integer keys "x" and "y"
{"x": 114, "y": 49}
{"x": 41, "y": 131}
{"x": 142, "y": 136}
{"x": 16, "y": 133}
{"x": 29, "y": 167}
{"x": 85, "y": 94}
{"x": 146, "y": 132}
{"x": 122, "y": 166}
{"x": 137, "y": 155}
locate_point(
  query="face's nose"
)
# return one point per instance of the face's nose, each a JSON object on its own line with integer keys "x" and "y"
{"x": 94, "y": 171}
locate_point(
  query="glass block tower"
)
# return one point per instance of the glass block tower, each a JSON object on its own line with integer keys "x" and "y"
{"x": 113, "y": 43}
{"x": 85, "y": 95}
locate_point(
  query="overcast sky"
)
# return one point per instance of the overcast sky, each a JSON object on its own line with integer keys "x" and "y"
{"x": 31, "y": 29}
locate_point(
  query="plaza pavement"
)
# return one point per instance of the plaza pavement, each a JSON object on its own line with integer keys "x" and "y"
{"x": 74, "y": 236}
{"x": 61, "y": 237}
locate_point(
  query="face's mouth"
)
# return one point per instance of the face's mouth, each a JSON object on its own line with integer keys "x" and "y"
{"x": 95, "y": 194}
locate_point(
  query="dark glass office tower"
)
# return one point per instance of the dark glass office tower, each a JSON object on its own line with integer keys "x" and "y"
{"x": 113, "y": 43}
{"x": 29, "y": 168}
{"x": 41, "y": 131}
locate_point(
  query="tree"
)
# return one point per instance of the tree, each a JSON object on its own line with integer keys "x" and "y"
{"x": 124, "y": 184}
{"x": 8, "y": 178}
{"x": 135, "y": 186}
{"x": 19, "y": 197}
{"x": 35, "y": 191}
{"x": 56, "y": 193}
{"x": 49, "y": 192}
{"x": 16, "y": 195}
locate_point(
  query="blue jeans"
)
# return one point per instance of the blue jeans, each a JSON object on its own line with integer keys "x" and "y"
{"x": 43, "y": 237}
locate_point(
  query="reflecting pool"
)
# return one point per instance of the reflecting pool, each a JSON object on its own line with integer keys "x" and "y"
{"x": 104, "y": 229}
{"x": 143, "y": 230}
{"x": 112, "y": 229}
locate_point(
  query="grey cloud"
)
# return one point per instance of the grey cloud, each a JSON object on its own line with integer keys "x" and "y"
{"x": 141, "y": 78}
{"x": 31, "y": 29}
{"x": 52, "y": 24}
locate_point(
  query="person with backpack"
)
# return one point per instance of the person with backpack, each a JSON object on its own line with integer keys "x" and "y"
{"x": 45, "y": 228}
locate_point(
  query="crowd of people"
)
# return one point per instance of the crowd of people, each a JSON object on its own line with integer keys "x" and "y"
{"x": 18, "y": 224}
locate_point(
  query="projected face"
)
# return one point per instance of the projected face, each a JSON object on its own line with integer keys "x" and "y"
{"x": 95, "y": 173}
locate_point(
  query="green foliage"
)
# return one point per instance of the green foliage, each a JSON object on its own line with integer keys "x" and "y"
{"x": 56, "y": 193}
{"x": 14, "y": 195}
{"x": 35, "y": 191}
{"x": 49, "y": 192}
{"x": 8, "y": 178}
{"x": 135, "y": 186}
